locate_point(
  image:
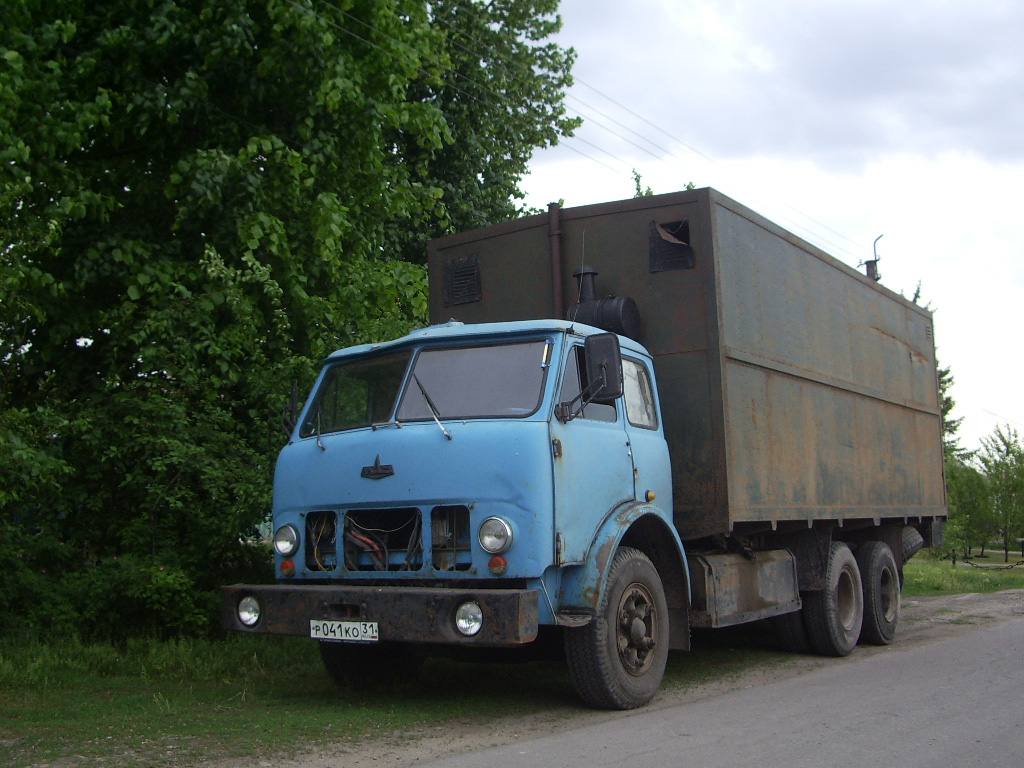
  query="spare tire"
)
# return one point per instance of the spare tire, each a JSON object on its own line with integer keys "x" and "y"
{"x": 912, "y": 542}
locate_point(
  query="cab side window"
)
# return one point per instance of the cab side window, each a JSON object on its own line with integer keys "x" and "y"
{"x": 638, "y": 395}
{"x": 574, "y": 382}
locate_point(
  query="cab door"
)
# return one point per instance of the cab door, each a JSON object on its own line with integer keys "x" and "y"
{"x": 652, "y": 480}
{"x": 593, "y": 470}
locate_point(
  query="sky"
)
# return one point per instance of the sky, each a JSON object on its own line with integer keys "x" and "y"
{"x": 840, "y": 121}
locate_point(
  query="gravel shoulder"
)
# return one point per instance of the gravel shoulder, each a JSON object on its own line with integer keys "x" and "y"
{"x": 924, "y": 620}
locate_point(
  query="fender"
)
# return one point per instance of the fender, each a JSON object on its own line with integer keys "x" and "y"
{"x": 582, "y": 587}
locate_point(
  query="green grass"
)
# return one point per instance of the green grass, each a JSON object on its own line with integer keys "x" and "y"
{"x": 156, "y": 703}
{"x": 927, "y": 575}
{"x": 153, "y": 703}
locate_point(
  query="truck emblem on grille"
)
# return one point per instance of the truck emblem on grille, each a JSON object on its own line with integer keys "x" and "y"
{"x": 378, "y": 471}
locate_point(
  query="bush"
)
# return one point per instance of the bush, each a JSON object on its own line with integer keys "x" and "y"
{"x": 52, "y": 588}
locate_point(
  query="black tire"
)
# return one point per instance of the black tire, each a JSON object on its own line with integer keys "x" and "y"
{"x": 912, "y": 542}
{"x": 834, "y": 615}
{"x": 618, "y": 660}
{"x": 368, "y": 667}
{"x": 881, "y": 581}
{"x": 791, "y": 633}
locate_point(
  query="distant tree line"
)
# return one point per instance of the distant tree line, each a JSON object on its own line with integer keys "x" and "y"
{"x": 198, "y": 202}
{"x": 985, "y": 488}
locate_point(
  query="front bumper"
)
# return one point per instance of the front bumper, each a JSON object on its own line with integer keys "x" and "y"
{"x": 403, "y": 614}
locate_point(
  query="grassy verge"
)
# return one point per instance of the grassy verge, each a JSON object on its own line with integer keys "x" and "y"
{"x": 927, "y": 575}
{"x": 181, "y": 703}
{"x": 158, "y": 704}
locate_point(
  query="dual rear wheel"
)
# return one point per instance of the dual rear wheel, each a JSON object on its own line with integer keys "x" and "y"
{"x": 860, "y": 603}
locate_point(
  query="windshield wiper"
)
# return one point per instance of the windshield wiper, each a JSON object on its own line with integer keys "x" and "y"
{"x": 430, "y": 404}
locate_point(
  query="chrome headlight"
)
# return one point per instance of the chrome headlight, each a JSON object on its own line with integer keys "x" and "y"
{"x": 469, "y": 619}
{"x": 495, "y": 535}
{"x": 249, "y": 610}
{"x": 286, "y": 540}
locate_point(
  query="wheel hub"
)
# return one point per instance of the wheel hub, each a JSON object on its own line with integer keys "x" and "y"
{"x": 637, "y": 629}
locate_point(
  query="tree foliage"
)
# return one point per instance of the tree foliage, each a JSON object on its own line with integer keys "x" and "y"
{"x": 971, "y": 521}
{"x": 1002, "y": 459}
{"x": 200, "y": 200}
{"x": 951, "y": 449}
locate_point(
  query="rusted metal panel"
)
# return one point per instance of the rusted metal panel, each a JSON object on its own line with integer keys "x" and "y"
{"x": 792, "y": 387}
{"x": 733, "y": 589}
{"x": 407, "y": 614}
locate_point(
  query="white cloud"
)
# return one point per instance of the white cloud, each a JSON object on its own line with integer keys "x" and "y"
{"x": 806, "y": 78}
{"x": 842, "y": 121}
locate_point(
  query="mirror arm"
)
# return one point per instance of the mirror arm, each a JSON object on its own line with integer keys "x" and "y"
{"x": 565, "y": 412}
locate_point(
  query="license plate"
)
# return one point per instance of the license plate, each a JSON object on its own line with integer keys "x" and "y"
{"x": 345, "y": 631}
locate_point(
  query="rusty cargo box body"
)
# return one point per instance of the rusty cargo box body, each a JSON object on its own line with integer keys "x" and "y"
{"x": 793, "y": 388}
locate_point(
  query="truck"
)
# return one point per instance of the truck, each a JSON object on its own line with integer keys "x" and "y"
{"x": 625, "y": 421}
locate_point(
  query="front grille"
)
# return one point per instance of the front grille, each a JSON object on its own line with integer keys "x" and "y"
{"x": 390, "y": 539}
{"x": 383, "y": 540}
{"x": 321, "y": 541}
{"x": 449, "y": 538}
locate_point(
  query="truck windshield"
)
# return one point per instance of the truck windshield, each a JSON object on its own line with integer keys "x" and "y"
{"x": 497, "y": 380}
{"x": 486, "y": 381}
{"x": 356, "y": 394}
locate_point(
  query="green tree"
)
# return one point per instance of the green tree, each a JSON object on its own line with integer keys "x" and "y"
{"x": 950, "y": 426}
{"x": 971, "y": 518}
{"x": 1002, "y": 458}
{"x": 501, "y": 97}
{"x": 200, "y": 201}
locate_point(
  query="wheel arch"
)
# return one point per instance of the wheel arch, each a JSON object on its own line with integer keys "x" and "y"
{"x": 655, "y": 538}
{"x": 645, "y": 528}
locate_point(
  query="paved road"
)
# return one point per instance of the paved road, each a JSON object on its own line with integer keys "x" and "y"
{"x": 952, "y": 704}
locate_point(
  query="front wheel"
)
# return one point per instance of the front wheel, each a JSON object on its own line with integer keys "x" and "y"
{"x": 618, "y": 660}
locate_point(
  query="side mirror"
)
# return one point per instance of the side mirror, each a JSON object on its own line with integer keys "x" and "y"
{"x": 604, "y": 368}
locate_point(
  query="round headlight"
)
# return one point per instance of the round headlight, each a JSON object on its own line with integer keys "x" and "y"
{"x": 469, "y": 618}
{"x": 495, "y": 535}
{"x": 286, "y": 540}
{"x": 249, "y": 610}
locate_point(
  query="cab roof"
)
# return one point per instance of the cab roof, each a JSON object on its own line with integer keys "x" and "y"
{"x": 455, "y": 330}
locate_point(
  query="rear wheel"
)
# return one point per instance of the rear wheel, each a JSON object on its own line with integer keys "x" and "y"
{"x": 881, "y": 581}
{"x": 790, "y": 631}
{"x": 369, "y": 666}
{"x": 618, "y": 660}
{"x": 834, "y": 615}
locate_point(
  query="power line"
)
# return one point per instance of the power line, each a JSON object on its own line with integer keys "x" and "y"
{"x": 671, "y": 155}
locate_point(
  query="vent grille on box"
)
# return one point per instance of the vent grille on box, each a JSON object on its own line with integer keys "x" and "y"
{"x": 461, "y": 280}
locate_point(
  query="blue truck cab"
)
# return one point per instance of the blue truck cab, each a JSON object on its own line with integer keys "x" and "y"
{"x": 466, "y": 485}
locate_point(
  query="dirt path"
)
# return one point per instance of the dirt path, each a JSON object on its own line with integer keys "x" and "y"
{"x": 924, "y": 620}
